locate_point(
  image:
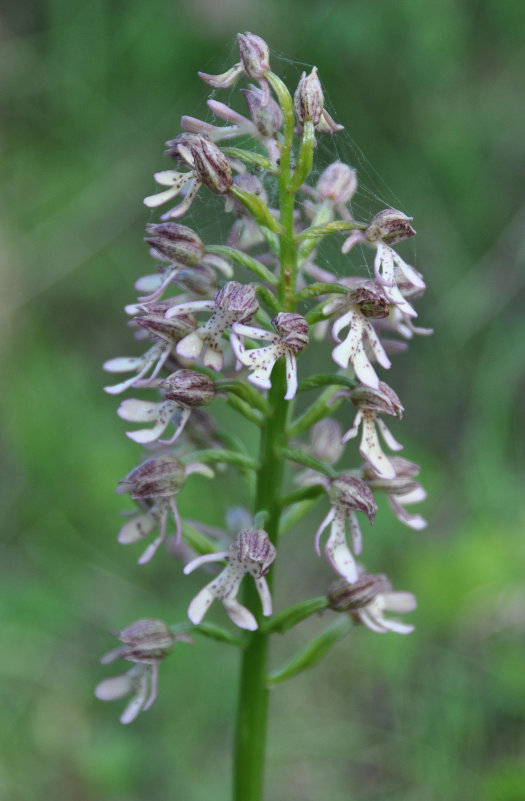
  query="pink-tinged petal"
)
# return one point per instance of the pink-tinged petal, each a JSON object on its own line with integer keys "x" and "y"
{"x": 198, "y": 467}
{"x": 152, "y": 201}
{"x": 184, "y": 205}
{"x": 237, "y": 347}
{"x": 370, "y": 449}
{"x": 291, "y": 376}
{"x": 151, "y": 550}
{"x": 191, "y": 346}
{"x": 416, "y": 522}
{"x": 157, "y": 292}
{"x": 239, "y": 615}
{"x": 397, "y": 627}
{"x": 409, "y": 272}
{"x": 339, "y": 557}
{"x": 167, "y": 177}
{"x": 190, "y": 307}
{"x": 213, "y": 359}
{"x": 363, "y": 367}
{"x": 178, "y": 521}
{"x": 375, "y": 344}
{"x": 225, "y": 80}
{"x": 148, "y": 283}
{"x": 264, "y": 595}
{"x": 254, "y": 333}
{"x": 355, "y": 531}
{"x": 328, "y": 519}
{"x": 353, "y": 239}
{"x": 137, "y": 528}
{"x": 137, "y": 702}
{"x": 217, "y": 556}
{"x": 146, "y": 435}
{"x": 353, "y": 432}
{"x": 352, "y": 319}
{"x": 399, "y": 602}
{"x": 114, "y": 688}
{"x": 392, "y": 443}
{"x": 384, "y": 266}
{"x": 154, "y": 679}
{"x": 371, "y": 621}
{"x": 138, "y": 411}
{"x": 394, "y": 296}
{"x": 122, "y": 364}
{"x": 415, "y": 496}
{"x": 226, "y": 113}
{"x": 181, "y": 421}
{"x": 117, "y": 653}
{"x": 200, "y": 604}
{"x": 193, "y": 125}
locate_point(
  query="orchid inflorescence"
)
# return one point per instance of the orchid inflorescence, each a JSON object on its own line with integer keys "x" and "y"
{"x": 232, "y": 322}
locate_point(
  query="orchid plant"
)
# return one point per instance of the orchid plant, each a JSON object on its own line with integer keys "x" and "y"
{"x": 234, "y": 321}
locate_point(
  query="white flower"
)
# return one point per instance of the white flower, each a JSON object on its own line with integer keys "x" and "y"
{"x": 253, "y": 553}
{"x": 367, "y": 600}
{"x": 141, "y": 680}
{"x": 154, "y": 484}
{"x": 234, "y": 302}
{"x": 386, "y": 228}
{"x": 290, "y": 339}
{"x": 348, "y": 494}
{"x": 371, "y": 402}
{"x": 183, "y": 391}
{"x": 362, "y": 303}
{"x": 400, "y": 491}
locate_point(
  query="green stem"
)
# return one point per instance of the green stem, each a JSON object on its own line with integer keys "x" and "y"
{"x": 250, "y": 743}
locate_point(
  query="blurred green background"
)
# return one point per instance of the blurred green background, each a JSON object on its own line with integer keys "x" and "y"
{"x": 433, "y": 95}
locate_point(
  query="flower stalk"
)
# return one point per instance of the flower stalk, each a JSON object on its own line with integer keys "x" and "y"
{"x": 222, "y": 337}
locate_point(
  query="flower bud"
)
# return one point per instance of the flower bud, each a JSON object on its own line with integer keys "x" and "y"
{"x": 349, "y": 492}
{"x": 254, "y": 54}
{"x": 189, "y": 388}
{"x": 237, "y": 299}
{"x": 211, "y": 165}
{"x": 253, "y": 545}
{"x": 293, "y": 328}
{"x": 172, "y": 329}
{"x": 338, "y": 182}
{"x": 159, "y": 477}
{"x": 146, "y": 640}
{"x": 380, "y": 401}
{"x": 346, "y": 597}
{"x": 176, "y": 242}
{"x": 371, "y": 300}
{"x": 268, "y": 119}
{"x": 179, "y": 149}
{"x": 389, "y": 226}
{"x": 309, "y": 99}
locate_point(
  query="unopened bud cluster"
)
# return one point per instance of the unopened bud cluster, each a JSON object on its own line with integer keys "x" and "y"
{"x": 232, "y": 322}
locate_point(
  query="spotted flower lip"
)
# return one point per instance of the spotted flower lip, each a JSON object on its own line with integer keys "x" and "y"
{"x": 362, "y": 303}
{"x": 370, "y": 403}
{"x": 251, "y": 553}
{"x": 290, "y": 338}
{"x": 348, "y": 495}
{"x": 367, "y": 600}
{"x": 154, "y": 484}
{"x": 234, "y": 302}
